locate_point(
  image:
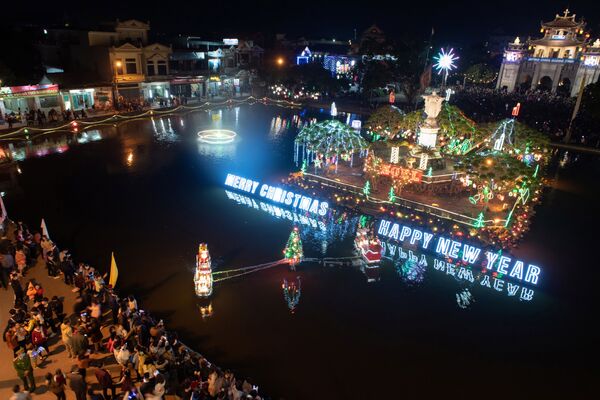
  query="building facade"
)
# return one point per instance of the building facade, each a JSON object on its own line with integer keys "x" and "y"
{"x": 562, "y": 61}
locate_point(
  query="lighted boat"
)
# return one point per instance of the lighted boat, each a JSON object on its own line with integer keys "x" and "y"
{"x": 368, "y": 246}
{"x": 203, "y": 280}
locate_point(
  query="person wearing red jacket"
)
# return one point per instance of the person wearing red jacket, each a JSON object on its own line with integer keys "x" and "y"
{"x": 39, "y": 337}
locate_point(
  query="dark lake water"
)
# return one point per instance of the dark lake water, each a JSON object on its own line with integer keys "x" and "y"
{"x": 150, "y": 192}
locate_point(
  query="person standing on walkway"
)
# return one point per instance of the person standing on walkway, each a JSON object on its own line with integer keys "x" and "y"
{"x": 18, "y": 395}
{"x": 22, "y": 365}
{"x": 7, "y": 265}
{"x": 77, "y": 383}
{"x": 17, "y": 288}
{"x": 79, "y": 342}
{"x": 39, "y": 337}
{"x": 105, "y": 381}
{"x": 56, "y": 384}
{"x": 66, "y": 331}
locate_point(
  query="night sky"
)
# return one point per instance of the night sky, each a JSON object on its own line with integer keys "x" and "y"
{"x": 454, "y": 21}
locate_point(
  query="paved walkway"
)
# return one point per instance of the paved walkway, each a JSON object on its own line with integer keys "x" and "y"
{"x": 58, "y": 356}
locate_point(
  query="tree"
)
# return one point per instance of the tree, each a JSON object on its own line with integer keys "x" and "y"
{"x": 331, "y": 138}
{"x": 481, "y": 74}
{"x": 377, "y": 74}
{"x": 386, "y": 121}
{"x": 7, "y": 77}
{"x": 293, "y": 249}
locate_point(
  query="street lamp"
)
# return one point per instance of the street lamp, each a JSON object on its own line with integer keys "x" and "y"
{"x": 118, "y": 64}
{"x": 280, "y": 61}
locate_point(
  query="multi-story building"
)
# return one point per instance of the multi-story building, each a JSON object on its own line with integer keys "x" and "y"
{"x": 98, "y": 65}
{"x": 212, "y": 67}
{"x": 563, "y": 60}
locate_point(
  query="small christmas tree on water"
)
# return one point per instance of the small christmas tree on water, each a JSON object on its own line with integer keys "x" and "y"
{"x": 303, "y": 168}
{"x": 293, "y": 248}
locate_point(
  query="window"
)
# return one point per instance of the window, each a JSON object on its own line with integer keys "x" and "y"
{"x": 162, "y": 67}
{"x": 150, "y": 68}
{"x": 540, "y": 53}
{"x": 130, "y": 66}
{"x": 119, "y": 66}
{"x": 567, "y": 54}
{"x": 48, "y": 102}
{"x": 554, "y": 53}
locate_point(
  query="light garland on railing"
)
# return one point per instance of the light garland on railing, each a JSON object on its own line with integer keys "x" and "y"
{"x": 117, "y": 118}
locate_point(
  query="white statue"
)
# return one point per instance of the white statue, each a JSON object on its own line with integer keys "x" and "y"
{"x": 433, "y": 106}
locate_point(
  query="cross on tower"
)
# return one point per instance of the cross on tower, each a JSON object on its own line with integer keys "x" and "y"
{"x": 567, "y": 12}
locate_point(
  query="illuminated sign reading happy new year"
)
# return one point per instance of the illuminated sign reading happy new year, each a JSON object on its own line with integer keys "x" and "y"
{"x": 514, "y": 269}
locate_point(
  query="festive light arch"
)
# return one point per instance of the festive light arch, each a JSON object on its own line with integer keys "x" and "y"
{"x": 330, "y": 138}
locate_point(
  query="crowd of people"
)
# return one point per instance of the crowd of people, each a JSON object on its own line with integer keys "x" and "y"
{"x": 547, "y": 112}
{"x": 39, "y": 118}
{"x": 103, "y": 333}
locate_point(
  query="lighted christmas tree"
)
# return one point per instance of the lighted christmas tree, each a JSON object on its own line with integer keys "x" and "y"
{"x": 392, "y": 195}
{"x": 367, "y": 189}
{"x": 293, "y": 248}
{"x": 479, "y": 221}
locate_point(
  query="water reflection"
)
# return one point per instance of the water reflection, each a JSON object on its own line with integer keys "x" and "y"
{"x": 163, "y": 131}
{"x": 89, "y": 136}
{"x": 53, "y": 144}
{"x": 464, "y": 298}
{"x": 280, "y": 124}
{"x": 339, "y": 226}
{"x": 221, "y": 151}
{"x": 291, "y": 293}
{"x": 412, "y": 271}
{"x": 459, "y": 273}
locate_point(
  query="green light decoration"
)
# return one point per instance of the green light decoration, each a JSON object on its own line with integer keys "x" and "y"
{"x": 303, "y": 168}
{"x": 392, "y": 195}
{"x": 367, "y": 188}
{"x": 508, "y": 218}
{"x": 430, "y": 172}
{"x": 362, "y": 222}
{"x": 537, "y": 169}
{"x": 293, "y": 249}
{"x": 331, "y": 138}
{"x": 479, "y": 221}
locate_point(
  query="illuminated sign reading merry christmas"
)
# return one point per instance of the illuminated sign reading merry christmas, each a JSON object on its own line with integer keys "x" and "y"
{"x": 277, "y": 194}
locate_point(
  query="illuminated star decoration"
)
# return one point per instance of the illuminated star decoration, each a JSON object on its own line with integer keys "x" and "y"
{"x": 445, "y": 61}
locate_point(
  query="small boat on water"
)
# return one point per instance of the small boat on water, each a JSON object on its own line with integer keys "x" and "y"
{"x": 368, "y": 246}
{"x": 203, "y": 280}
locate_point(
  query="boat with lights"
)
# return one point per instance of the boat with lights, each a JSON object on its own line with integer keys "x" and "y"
{"x": 368, "y": 246}
{"x": 203, "y": 280}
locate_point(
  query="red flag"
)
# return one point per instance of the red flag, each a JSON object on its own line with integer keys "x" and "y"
{"x": 516, "y": 109}
{"x": 425, "y": 79}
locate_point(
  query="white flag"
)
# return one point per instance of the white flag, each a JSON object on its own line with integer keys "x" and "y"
{"x": 44, "y": 229}
{"x": 3, "y": 214}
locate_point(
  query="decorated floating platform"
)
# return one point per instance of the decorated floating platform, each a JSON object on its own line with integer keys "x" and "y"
{"x": 203, "y": 280}
{"x": 435, "y": 164}
{"x": 368, "y": 246}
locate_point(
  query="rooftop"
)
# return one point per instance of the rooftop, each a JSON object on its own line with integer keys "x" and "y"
{"x": 564, "y": 21}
